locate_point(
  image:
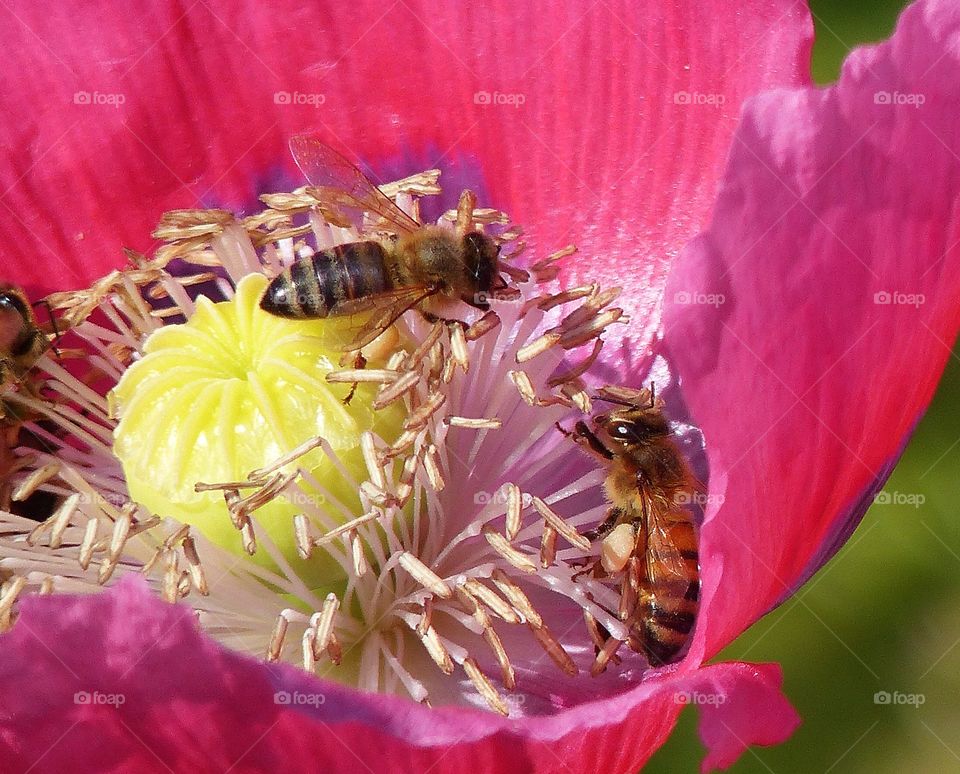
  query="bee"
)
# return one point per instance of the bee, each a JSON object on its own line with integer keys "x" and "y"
{"x": 21, "y": 343}
{"x": 648, "y": 536}
{"x": 389, "y": 276}
{"x": 21, "y": 340}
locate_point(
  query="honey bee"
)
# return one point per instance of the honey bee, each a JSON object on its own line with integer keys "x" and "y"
{"x": 389, "y": 276}
{"x": 21, "y": 340}
{"x": 21, "y": 343}
{"x": 648, "y": 536}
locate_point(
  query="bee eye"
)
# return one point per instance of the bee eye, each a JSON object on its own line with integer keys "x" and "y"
{"x": 623, "y": 431}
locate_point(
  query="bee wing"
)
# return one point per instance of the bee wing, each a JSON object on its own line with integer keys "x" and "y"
{"x": 388, "y": 308}
{"x": 664, "y": 557}
{"x": 325, "y": 168}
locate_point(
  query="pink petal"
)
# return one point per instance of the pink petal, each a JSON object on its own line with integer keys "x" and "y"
{"x": 180, "y": 110}
{"x": 805, "y": 387}
{"x": 157, "y": 694}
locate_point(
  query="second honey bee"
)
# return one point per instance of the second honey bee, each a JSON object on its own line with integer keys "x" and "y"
{"x": 386, "y": 277}
{"x": 21, "y": 340}
{"x": 649, "y": 538}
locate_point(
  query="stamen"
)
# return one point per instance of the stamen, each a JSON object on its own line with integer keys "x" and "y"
{"x": 489, "y": 322}
{"x": 396, "y": 389}
{"x": 197, "y": 576}
{"x": 363, "y": 376}
{"x": 31, "y": 483}
{"x": 481, "y": 593}
{"x": 439, "y": 654}
{"x": 514, "y": 508}
{"x": 565, "y": 530}
{"x": 418, "y": 418}
{"x": 458, "y": 347}
{"x": 278, "y": 635}
{"x": 424, "y": 575}
{"x": 554, "y": 649}
{"x": 578, "y": 370}
{"x": 348, "y": 526}
{"x": 473, "y": 424}
{"x": 548, "y": 546}
{"x": 484, "y": 686}
{"x": 524, "y": 386}
{"x": 546, "y": 270}
{"x": 604, "y": 655}
{"x": 502, "y": 546}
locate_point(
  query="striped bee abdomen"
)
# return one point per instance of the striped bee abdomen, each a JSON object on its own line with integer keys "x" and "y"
{"x": 312, "y": 287}
{"x": 673, "y": 590}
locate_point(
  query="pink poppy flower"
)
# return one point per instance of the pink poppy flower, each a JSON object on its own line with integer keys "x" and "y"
{"x": 825, "y": 271}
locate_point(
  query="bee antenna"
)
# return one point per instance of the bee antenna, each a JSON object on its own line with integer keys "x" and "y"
{"x": 53, "y": 323}
{"x": 615, "y": 401}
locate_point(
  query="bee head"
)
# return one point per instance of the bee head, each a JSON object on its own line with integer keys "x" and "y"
{"x": 15, "y": 319}
{"x": 480, "y": 254}
{"x": 13, "y": 301}
{"x": 633, "y": 426}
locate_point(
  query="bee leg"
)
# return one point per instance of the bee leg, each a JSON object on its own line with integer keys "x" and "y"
{"x": 359, "y": 361}
{"x": 7, "y": 373}
{"x": 605, "y": 527}
{"x": 477, "y": 301}
{"x": 53, "y": 325}
{"x": 591, "y": 566}
{"x": 38, "y": 344}
{"x": 432, "y": 318}
{"x": 585, "y": 437}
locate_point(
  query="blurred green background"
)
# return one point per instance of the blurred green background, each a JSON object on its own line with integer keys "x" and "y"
{"x": 884, "y": 614}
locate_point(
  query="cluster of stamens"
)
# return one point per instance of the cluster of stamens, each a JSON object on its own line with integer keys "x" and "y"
{"x": 415, "y": 572}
